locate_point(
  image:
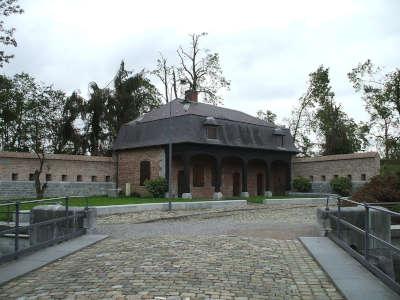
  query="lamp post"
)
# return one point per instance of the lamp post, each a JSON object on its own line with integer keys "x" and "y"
{"x": 186, "y": 105}
{"x": 170, "y": 158}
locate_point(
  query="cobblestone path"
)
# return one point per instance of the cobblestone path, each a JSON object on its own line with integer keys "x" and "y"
{"x": 188, "y": 257}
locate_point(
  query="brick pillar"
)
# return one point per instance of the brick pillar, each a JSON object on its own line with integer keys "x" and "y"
{"x": 186, "y": 175}
{"x": 267, "y": 176}
{"x": 268, "y": 179}
{"x": 244, "y": 193}
{"x": 218, "y": 176}
{"x": 218, "y": 180}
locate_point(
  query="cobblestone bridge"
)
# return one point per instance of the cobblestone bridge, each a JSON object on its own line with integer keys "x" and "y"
{"x": 246, "y": 253}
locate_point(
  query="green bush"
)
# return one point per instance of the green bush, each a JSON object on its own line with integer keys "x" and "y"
{"x": 381, "y": 188}
{"x": 302, "y": 184}
{"x": 341, "y": 186}
{"x": 157, "y": 187}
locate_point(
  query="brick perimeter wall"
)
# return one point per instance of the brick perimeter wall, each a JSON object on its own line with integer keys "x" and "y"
{"x": 57, "y": 165}
{"x": 342, "y": 165}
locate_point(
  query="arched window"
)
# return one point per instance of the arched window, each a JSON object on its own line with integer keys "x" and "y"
{"x": 144, "y": 171}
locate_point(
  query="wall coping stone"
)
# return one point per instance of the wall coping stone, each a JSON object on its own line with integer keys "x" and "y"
{"x": 68, "y": 157}
{"x": 299, "y": 201}
{"x": 127, "y": 208}
{"x": 336, "y": 157}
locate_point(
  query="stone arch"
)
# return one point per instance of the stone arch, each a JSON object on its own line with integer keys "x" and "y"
{"x": 258, "y": 179}
{"x": 234, "y": 170}
{"x": 280, "y": 172}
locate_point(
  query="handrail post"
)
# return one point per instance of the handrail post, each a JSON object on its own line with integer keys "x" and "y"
{"x": 16, "y": 230}
{"x": 327, "y": 203}
{"x": 66, "y": 206}
{"x": 338, "y": 218}
{"x": 366, "y": 242}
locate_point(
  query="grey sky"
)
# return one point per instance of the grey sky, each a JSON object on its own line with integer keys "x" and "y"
{"x": 267, "y": 48}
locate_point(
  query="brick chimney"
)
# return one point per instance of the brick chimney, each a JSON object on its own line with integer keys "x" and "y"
{"x": 191, "y": 95}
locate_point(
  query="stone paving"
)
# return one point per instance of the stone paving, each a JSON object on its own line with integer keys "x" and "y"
{"x": 188, "y": 257}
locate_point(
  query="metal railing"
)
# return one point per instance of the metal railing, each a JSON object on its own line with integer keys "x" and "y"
{"x": 382, "y": 265}
{"x": 17, "y": 239}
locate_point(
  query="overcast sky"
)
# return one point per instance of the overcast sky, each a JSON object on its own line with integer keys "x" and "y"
{"x": 267, "y": 48}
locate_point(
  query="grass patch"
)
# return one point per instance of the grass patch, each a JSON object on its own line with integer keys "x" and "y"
{"x": 6, "y": 211}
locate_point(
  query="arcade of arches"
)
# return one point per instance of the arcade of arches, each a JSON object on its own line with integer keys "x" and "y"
{"x": 207, "y": 174}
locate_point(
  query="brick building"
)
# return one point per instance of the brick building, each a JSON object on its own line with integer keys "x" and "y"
{"x": 215, "y": 151}
{"x": 358, "y": 167}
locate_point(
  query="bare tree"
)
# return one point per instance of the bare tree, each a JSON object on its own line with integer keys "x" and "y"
{"x": 201, "y": 70}
{"x": 166, "y": 74}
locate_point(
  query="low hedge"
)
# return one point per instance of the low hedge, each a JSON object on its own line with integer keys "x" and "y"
{"x": 157, "y": 187}
{"x": 341, "y": 186}
{"x": 302, "y": 184}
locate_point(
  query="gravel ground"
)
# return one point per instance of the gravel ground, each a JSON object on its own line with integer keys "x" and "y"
{"x": 281, "y": 222}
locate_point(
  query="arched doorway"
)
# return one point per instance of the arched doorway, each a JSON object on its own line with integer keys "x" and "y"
{"x": 236, "y": 184}
{"x": 280, "y": 177}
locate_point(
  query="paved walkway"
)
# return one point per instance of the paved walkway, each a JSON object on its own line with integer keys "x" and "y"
{"x": 347, "y": 273}
{"x": 240, "y": 254}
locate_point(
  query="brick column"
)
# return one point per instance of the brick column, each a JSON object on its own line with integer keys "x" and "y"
{"x": 218, "y": 180}
{"x": 186, "y": 175}
{"x": 244, "y": 193}
{"x": 268, "y": 179}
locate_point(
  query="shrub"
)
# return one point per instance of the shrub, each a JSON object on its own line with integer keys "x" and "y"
{"x": 157, "y": 187}
{"x": 302, "y": 184}
{"x": 381, "y": 188}
{"x": 341, "y": 186}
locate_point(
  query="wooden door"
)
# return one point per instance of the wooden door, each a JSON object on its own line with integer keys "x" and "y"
{"x": 260, "y": 184}
{"x": 280, "y": 178}
{"x": 236, "y": 184}
{"x": 181, "y": 183}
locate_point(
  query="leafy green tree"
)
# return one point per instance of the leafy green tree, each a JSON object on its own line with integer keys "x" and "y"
{"x": 133, "y": 95}
{"x": 108, "y": 109}
{"x": 8, "y": 112}
{"x": 381, "y": 95}
{"x": 96, "y": 120}
{"x": 267, "y": 116}
{"x": 335, "y": 131}
{"x": 30, "y": 115}
{"x": 7, "y": 8}
{"x": 340, "y": 133}
{"x": 68, "y": 138}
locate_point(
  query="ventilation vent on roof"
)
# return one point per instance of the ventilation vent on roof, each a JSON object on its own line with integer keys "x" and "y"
{"x": 211, "y": 121}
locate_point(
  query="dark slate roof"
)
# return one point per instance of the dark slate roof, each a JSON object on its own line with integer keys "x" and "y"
{"x": 188, "y": 123}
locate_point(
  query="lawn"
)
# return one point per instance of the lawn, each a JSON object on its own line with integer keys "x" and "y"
{"x": 5, "y": 211}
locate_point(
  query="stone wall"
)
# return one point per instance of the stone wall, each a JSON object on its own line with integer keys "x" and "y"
{"x": 359, "y": 167}
{"x": 26, "y": 189}
{"x": 129, "y": 167}
{"x": 66, "y": 175}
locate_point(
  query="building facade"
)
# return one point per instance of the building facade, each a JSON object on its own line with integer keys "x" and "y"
{"x": 358, "y": 167}
{"x": 215, "y": 151}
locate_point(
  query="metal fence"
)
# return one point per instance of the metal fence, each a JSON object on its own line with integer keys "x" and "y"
{"x": 364, "y": 231}
{"x": 18, "y": 238}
